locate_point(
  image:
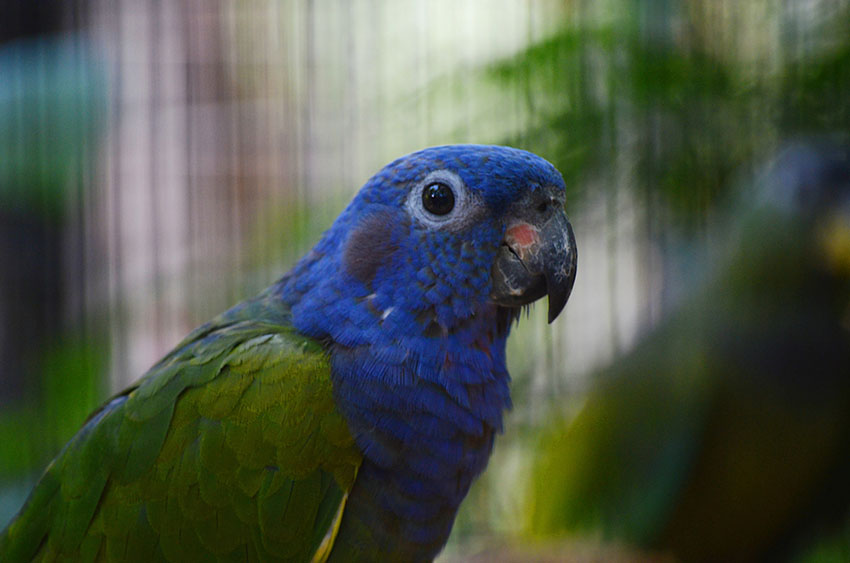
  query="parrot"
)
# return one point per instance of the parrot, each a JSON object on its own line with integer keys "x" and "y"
{"x": 724, "y": 433}
{"x": 341, "y": 414}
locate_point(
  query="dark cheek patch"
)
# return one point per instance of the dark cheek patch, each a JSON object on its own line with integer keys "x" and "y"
{"x": 370, "y": 246}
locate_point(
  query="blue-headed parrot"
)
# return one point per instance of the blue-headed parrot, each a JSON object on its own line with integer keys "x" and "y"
{"x": 724, "y": 435}
{"x": 341, "y": 414}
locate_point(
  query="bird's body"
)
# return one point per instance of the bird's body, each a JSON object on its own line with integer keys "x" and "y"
{"x": 344, "y": 412}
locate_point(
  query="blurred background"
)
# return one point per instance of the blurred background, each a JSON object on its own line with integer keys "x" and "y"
{"x": 160, "y": 161}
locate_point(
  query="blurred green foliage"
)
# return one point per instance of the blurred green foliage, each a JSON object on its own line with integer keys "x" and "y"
{"x": 655, "y": 83}
{"x": 69, "y": 387}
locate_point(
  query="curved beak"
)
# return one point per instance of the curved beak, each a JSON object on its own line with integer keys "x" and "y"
{"x": 535, "y": 260}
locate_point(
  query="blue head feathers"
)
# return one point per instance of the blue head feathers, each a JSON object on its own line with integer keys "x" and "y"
{"x": 388, "y": 263}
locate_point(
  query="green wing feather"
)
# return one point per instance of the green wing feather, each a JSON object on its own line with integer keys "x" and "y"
{"x": 230, "y": 448}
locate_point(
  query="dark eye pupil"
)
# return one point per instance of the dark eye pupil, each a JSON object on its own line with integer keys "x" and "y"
{"x": 438, "y": 198}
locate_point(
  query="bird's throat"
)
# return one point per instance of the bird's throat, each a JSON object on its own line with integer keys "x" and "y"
{"x": 426, "y": 426}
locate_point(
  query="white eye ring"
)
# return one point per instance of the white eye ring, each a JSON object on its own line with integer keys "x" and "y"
{"x": 455, "y": 218}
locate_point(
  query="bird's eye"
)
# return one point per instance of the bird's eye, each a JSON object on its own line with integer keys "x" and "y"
{"x": 438, "y": 198}
{"x": 441, "y": 200}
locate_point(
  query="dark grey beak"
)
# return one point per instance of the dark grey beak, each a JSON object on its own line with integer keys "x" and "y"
{"x": 535, "y": 260}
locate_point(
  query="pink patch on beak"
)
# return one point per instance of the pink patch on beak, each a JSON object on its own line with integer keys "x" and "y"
{"x": 522, "y": 235}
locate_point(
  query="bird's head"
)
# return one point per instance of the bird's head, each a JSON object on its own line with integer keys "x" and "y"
{"x": 437, "y": 239}
{"x": 787, "y": 284}
{"x": 805, "y": 194}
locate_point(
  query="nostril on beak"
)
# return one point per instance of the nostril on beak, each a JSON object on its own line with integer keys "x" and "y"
{"x": 547, "y": 205}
